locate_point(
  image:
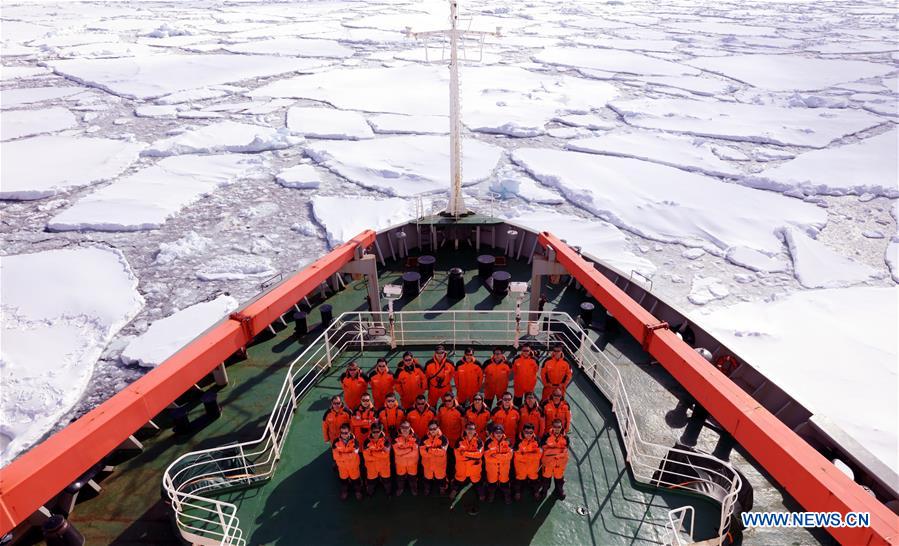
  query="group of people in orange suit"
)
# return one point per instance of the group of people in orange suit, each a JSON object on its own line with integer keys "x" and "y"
{"x": 397, "y": 429}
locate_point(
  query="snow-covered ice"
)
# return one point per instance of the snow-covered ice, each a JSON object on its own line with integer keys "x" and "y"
{"x": 404, "y": 166}
{"x": 235, "y": 267}
{"x": 60, "y": 308}
{"x": 509, "y": 182}
{"x": 76, "y": 162}
{"x": 667, "y": 204}
{"x": 815, "y": 265}
{"x": 400, "y": 124}
{"x": 345, "y": 217}
{"x": 754, "y": 260}
{"x": 22, "y": 123}
{"x": 612, "y": 60}
{"x": 147, "y": 198}
{"x": 707, "y": 289}
{"x": 855, "y": 368}
{"x": 166, "y": 336}
{"x": 189, "y": 245}
{"x": 302, "y": 177}
{"x": 328, "y": 123}
{"x": 294, "y": 47}
{"x": 224, "y": 136}
{"x": 12, "y": 98}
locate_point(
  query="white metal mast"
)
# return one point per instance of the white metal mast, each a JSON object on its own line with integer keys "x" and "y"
{"x": 456, "y": 206}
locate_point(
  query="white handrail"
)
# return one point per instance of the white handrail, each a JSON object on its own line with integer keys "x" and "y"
{"x": 197, "y": 473}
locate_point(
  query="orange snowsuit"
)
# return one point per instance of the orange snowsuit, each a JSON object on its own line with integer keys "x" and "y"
{"x": 508, "y": 418}
{"x": 439, "y": 374}
{"x": 555, "y": 455}
{"x": 377, "y": 457}
{"x": 346, "y": 455}
{"x": 496, "y": 378}
{"x": 561, "y": 411}
{"x": 391, "y": 418}
{"x": 361, "y": 422}
{"x": 480, "y": 418}
{"x": 353, "y": 389}
{"x": 420, "y": 420}
{"x": 331, "y": 423}
{"x": 452, "y": 421}
{"x": 498, "y": 459}
{"x": 527, "y": 458}
{"x": 469, "y": 378}
{"x": 405, "y": 455}
{"x": 409, "y": 384}
{"x": 555, "y": 374}
{"x": 533, "y": 416}
{"x": 381, "y": 386}
{"x": 524, "y": 371}
{"x": 469, "y": 455}
{"x": 433, "y": 456}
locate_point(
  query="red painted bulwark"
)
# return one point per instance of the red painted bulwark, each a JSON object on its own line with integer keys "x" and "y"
{"x": 48, "y": 468}
{"x": 809, "y": 477}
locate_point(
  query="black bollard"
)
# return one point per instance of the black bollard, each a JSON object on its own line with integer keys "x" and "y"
{"x": 210, "y": 401}
{"x": 301, "y": 327}
{"x": 501, "y": 283}
{"x": 486, "y": 263}
{"x": 411, "y": 284}
{"x": 611, "y": 325}
{"x": 59, "y": 532}
{"x": 694, "y": 427}
{"x": 426, "y": 267}
{"x": 455, "y": 286}
{"x": 181, "y": 420}
{"x": 327, "y": 315}
{"x": 586, "y": 313}
{"x": 724, "y": 446}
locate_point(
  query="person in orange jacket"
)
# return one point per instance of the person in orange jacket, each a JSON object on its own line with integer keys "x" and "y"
{"x": 391, "y": 416}
{"x": 557, "y": 408}
{"x": 524, "y": 373}
{"x": 381, "y": 382}
{"x": 496, "y": 376}
{"x": 337, "y": 415}
{"x": 497, "y": 463}
{"x": 362, "y": 418}
{"x": 410, "y": 380}
{"x": 469, "y": 461}
{"x": 419, "y": 416}
{"x": 434, "y": 453}
{"x": 405, "y": 458}
{"x": 531, "y": 414}
{"x": 556, "y": 372}
{"x": 451, "y": 417}
{"x": 354, "y": 385}
{"x": 506, "y": 416}
{"x": 345, "y": 450}
{"x": 376, "y": 452}
{"x": 439, "y": 373}
{"x": 478, "y": 414}
{"x": 555, "y": 445}
{"x": 469, "y": 377}
{"x": 527, "y": 461}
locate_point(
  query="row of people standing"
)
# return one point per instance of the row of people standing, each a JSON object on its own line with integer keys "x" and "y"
{"x": 468, "y": 376}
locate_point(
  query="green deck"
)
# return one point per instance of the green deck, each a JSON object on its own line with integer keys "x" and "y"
{"x": 300, "y": 504}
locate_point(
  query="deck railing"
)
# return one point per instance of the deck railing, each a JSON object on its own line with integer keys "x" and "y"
{"x": 195, "y": 480}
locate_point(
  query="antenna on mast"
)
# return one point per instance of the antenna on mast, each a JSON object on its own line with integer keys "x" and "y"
{"x": 456, "y": 206}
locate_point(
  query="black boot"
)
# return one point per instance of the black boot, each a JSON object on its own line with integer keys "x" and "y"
{"x": 443, "y": 486}
{"x": 507, "y": 492}
{"x": 370, "y": 488}
{"x": 413, "y": 485}
{"x": 482, "y": 491}
{"x": 400, "y": 485}
{"x": 560, "y": 489}
{"x": 426, "y": 488}
{"x": 357, "y": 488}
{"x": 344, "y": 489}
{"x": 388, "y": 486}
{"x": 535, "y": 487}
{"x": 491, "y": 492}
{"x": 517, "y": 490}
{"x": 457, "y": 486}
{"x": 542, "y": 488}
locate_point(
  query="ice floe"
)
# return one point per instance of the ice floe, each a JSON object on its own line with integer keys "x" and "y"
{"x": 812, "y": 127}
{"x": 689, "y": 154}
{"x": 30, "y": 95}
{"x": 511, "y": 182}
{"x": 152, "y": 76}
{"x": 60, "y": 308}
{"x": 22, "y": 123}
{"x": 76, "y": 162}
{"x": 668, "y": 204}
{"x": 855, "y": 368}
{"x": 612, "y": 60}
{"x": 328, "y": 123}
{"x": 790, "y": 72}
{"x": 707, "y": 289}
{"x": 224, "y": 136}
{"x": 596, "y": 238}
{"x": 22, "y": 72}
{"x": 166, "y": 336}
{"x": 293, "y": 47}
{"x": 345, "y": 217}
{"x": 815, "y": 265}
{"x": 404, "y": 166}
{"x": 866, "y": 166}
{"x": 754, "y": 260}
{"x": 233, "y": 267}
{"x": 187, "y": 246}
{"x": 302, "y": 177}
{"x": 147, "y": 198}
{"x": 400, "y": 124}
